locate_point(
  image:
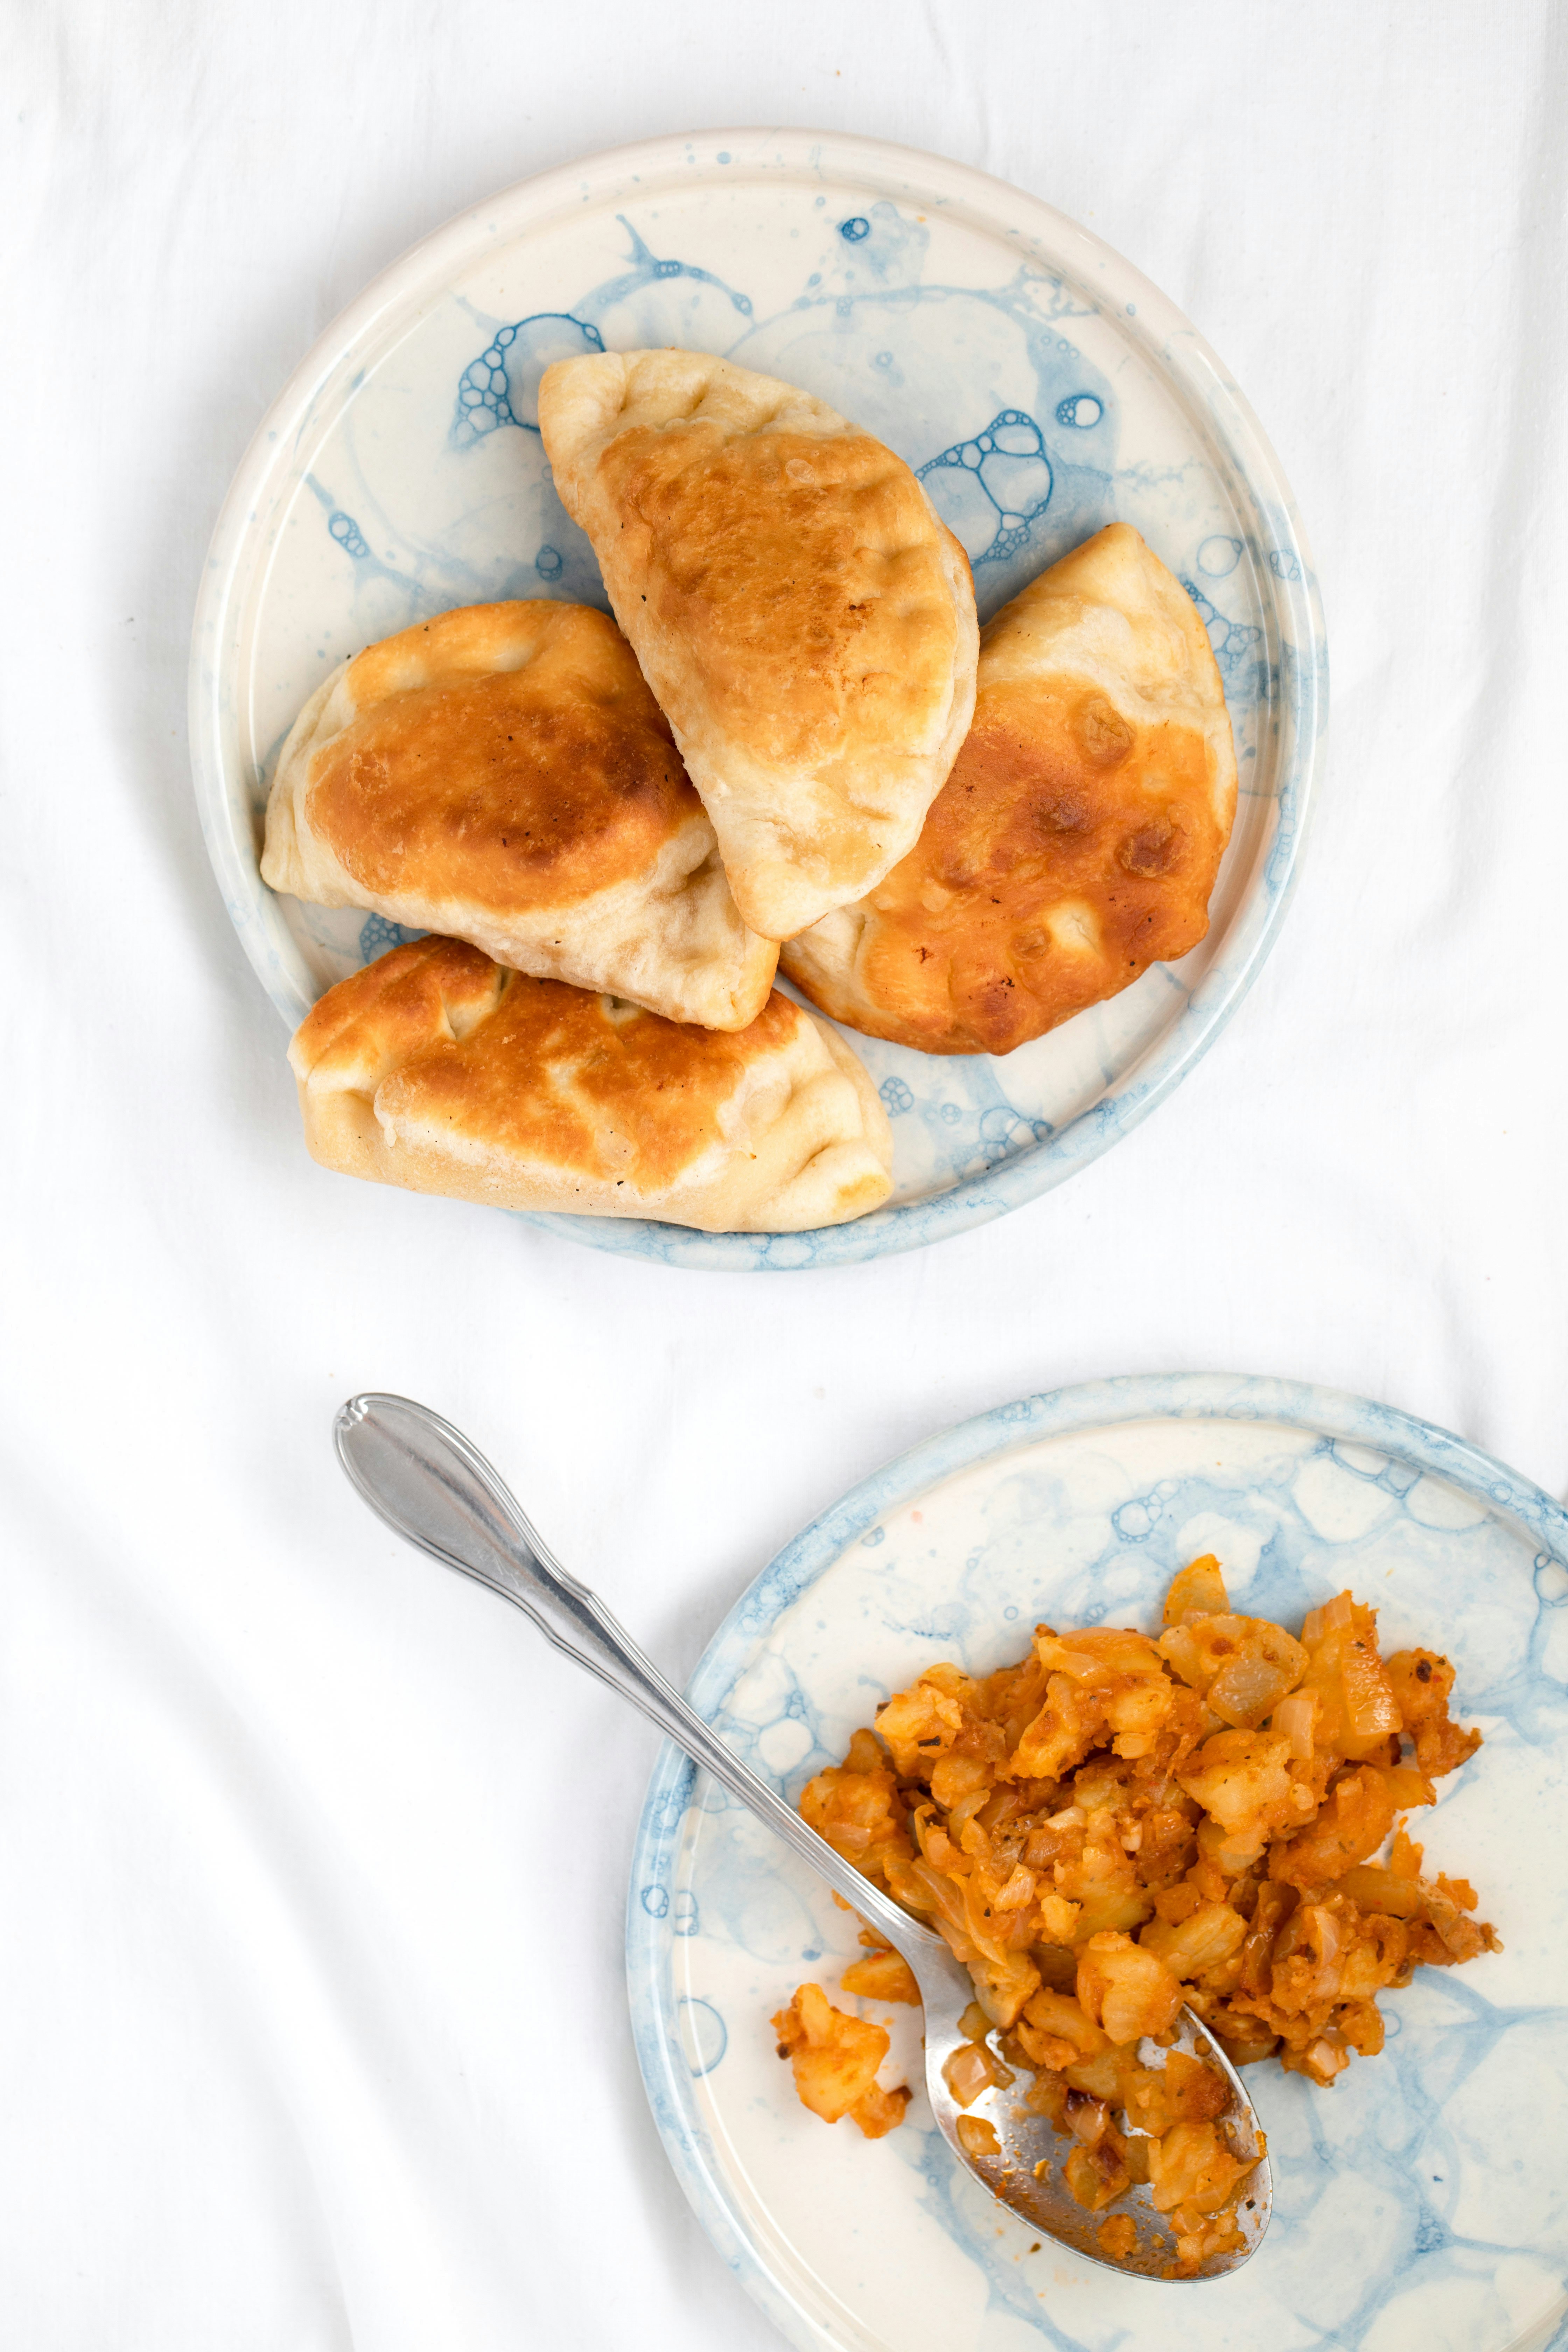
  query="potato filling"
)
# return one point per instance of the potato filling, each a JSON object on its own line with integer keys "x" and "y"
{"x": 1120, "y": 1825}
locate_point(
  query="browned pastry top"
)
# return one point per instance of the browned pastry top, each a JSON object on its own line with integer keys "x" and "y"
{"x": 509, "y": 756}
{"x": 583, "y": 1082}
{"x": 801, "y": 573}
{"x": 1079, "y": 835}
{"x": 1068, "y": 850}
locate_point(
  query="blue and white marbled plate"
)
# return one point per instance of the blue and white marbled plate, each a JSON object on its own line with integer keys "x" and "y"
{"x": 1039, "y": 385}
{"x": 1422, "y": 2204}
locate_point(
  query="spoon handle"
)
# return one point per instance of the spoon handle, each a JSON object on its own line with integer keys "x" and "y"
{"x": 436, "y": 1490}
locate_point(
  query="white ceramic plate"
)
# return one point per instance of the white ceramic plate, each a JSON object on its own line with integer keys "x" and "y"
{"x": 1041, "y": 386}
{"x": 1422, "y": 2204}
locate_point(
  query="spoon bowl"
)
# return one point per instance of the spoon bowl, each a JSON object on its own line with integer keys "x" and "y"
{"x": 424, "y": 1480}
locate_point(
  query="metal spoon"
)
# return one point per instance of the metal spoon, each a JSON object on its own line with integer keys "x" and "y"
{"x": 433, "y": 1488}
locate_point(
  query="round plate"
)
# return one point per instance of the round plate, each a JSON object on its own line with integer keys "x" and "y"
{"x": 1422, "y": 2204}
{"x": 1039, "y": 385}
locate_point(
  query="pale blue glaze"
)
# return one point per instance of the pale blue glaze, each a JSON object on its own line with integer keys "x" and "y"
{"x": 984, "y": 380}
{"x": 1422, "y": 2205}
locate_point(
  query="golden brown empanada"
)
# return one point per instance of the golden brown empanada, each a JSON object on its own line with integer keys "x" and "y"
{"x": 1077, "y": 838}
{"x": 805, "y": 619}
{"x": 503, "y": 774}
{"x": 437, "y": 1069}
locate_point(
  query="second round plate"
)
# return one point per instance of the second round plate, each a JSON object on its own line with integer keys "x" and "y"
{"x": 1037, "y": 382}
{"x": 1421, "y": 2205}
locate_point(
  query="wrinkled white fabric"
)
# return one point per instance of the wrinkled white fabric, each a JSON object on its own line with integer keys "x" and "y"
{"x": 311, "y": 1859}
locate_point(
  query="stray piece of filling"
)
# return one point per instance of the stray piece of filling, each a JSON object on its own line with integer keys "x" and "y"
{"x": 836, "y": 2057}
{"x": 1121, "y": 1824}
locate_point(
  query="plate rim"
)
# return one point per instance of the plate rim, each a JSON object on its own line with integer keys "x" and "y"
{"x": 1170, "y": 346}
{"x": 1077, "y": 1409}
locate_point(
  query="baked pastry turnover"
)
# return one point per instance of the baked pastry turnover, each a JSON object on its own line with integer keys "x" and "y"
{"x": 1077, "y": 840}
{"x": 503, "y": 774}
{"x": 440, "y": 1070}
{"x": 805, "y": 619}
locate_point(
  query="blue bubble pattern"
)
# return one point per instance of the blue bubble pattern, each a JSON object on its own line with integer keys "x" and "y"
{"x": 501, "y": 386}
{"x": 1233, "y": 641}
{"x": 378, "y": 937}
{"x": 1009, "y": 462}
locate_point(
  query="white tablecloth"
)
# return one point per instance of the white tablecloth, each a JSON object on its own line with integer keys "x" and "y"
{"x": 311, "y": 1994}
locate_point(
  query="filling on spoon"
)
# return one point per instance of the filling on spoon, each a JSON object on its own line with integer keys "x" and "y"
{"x": 1117, "y": 1825}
